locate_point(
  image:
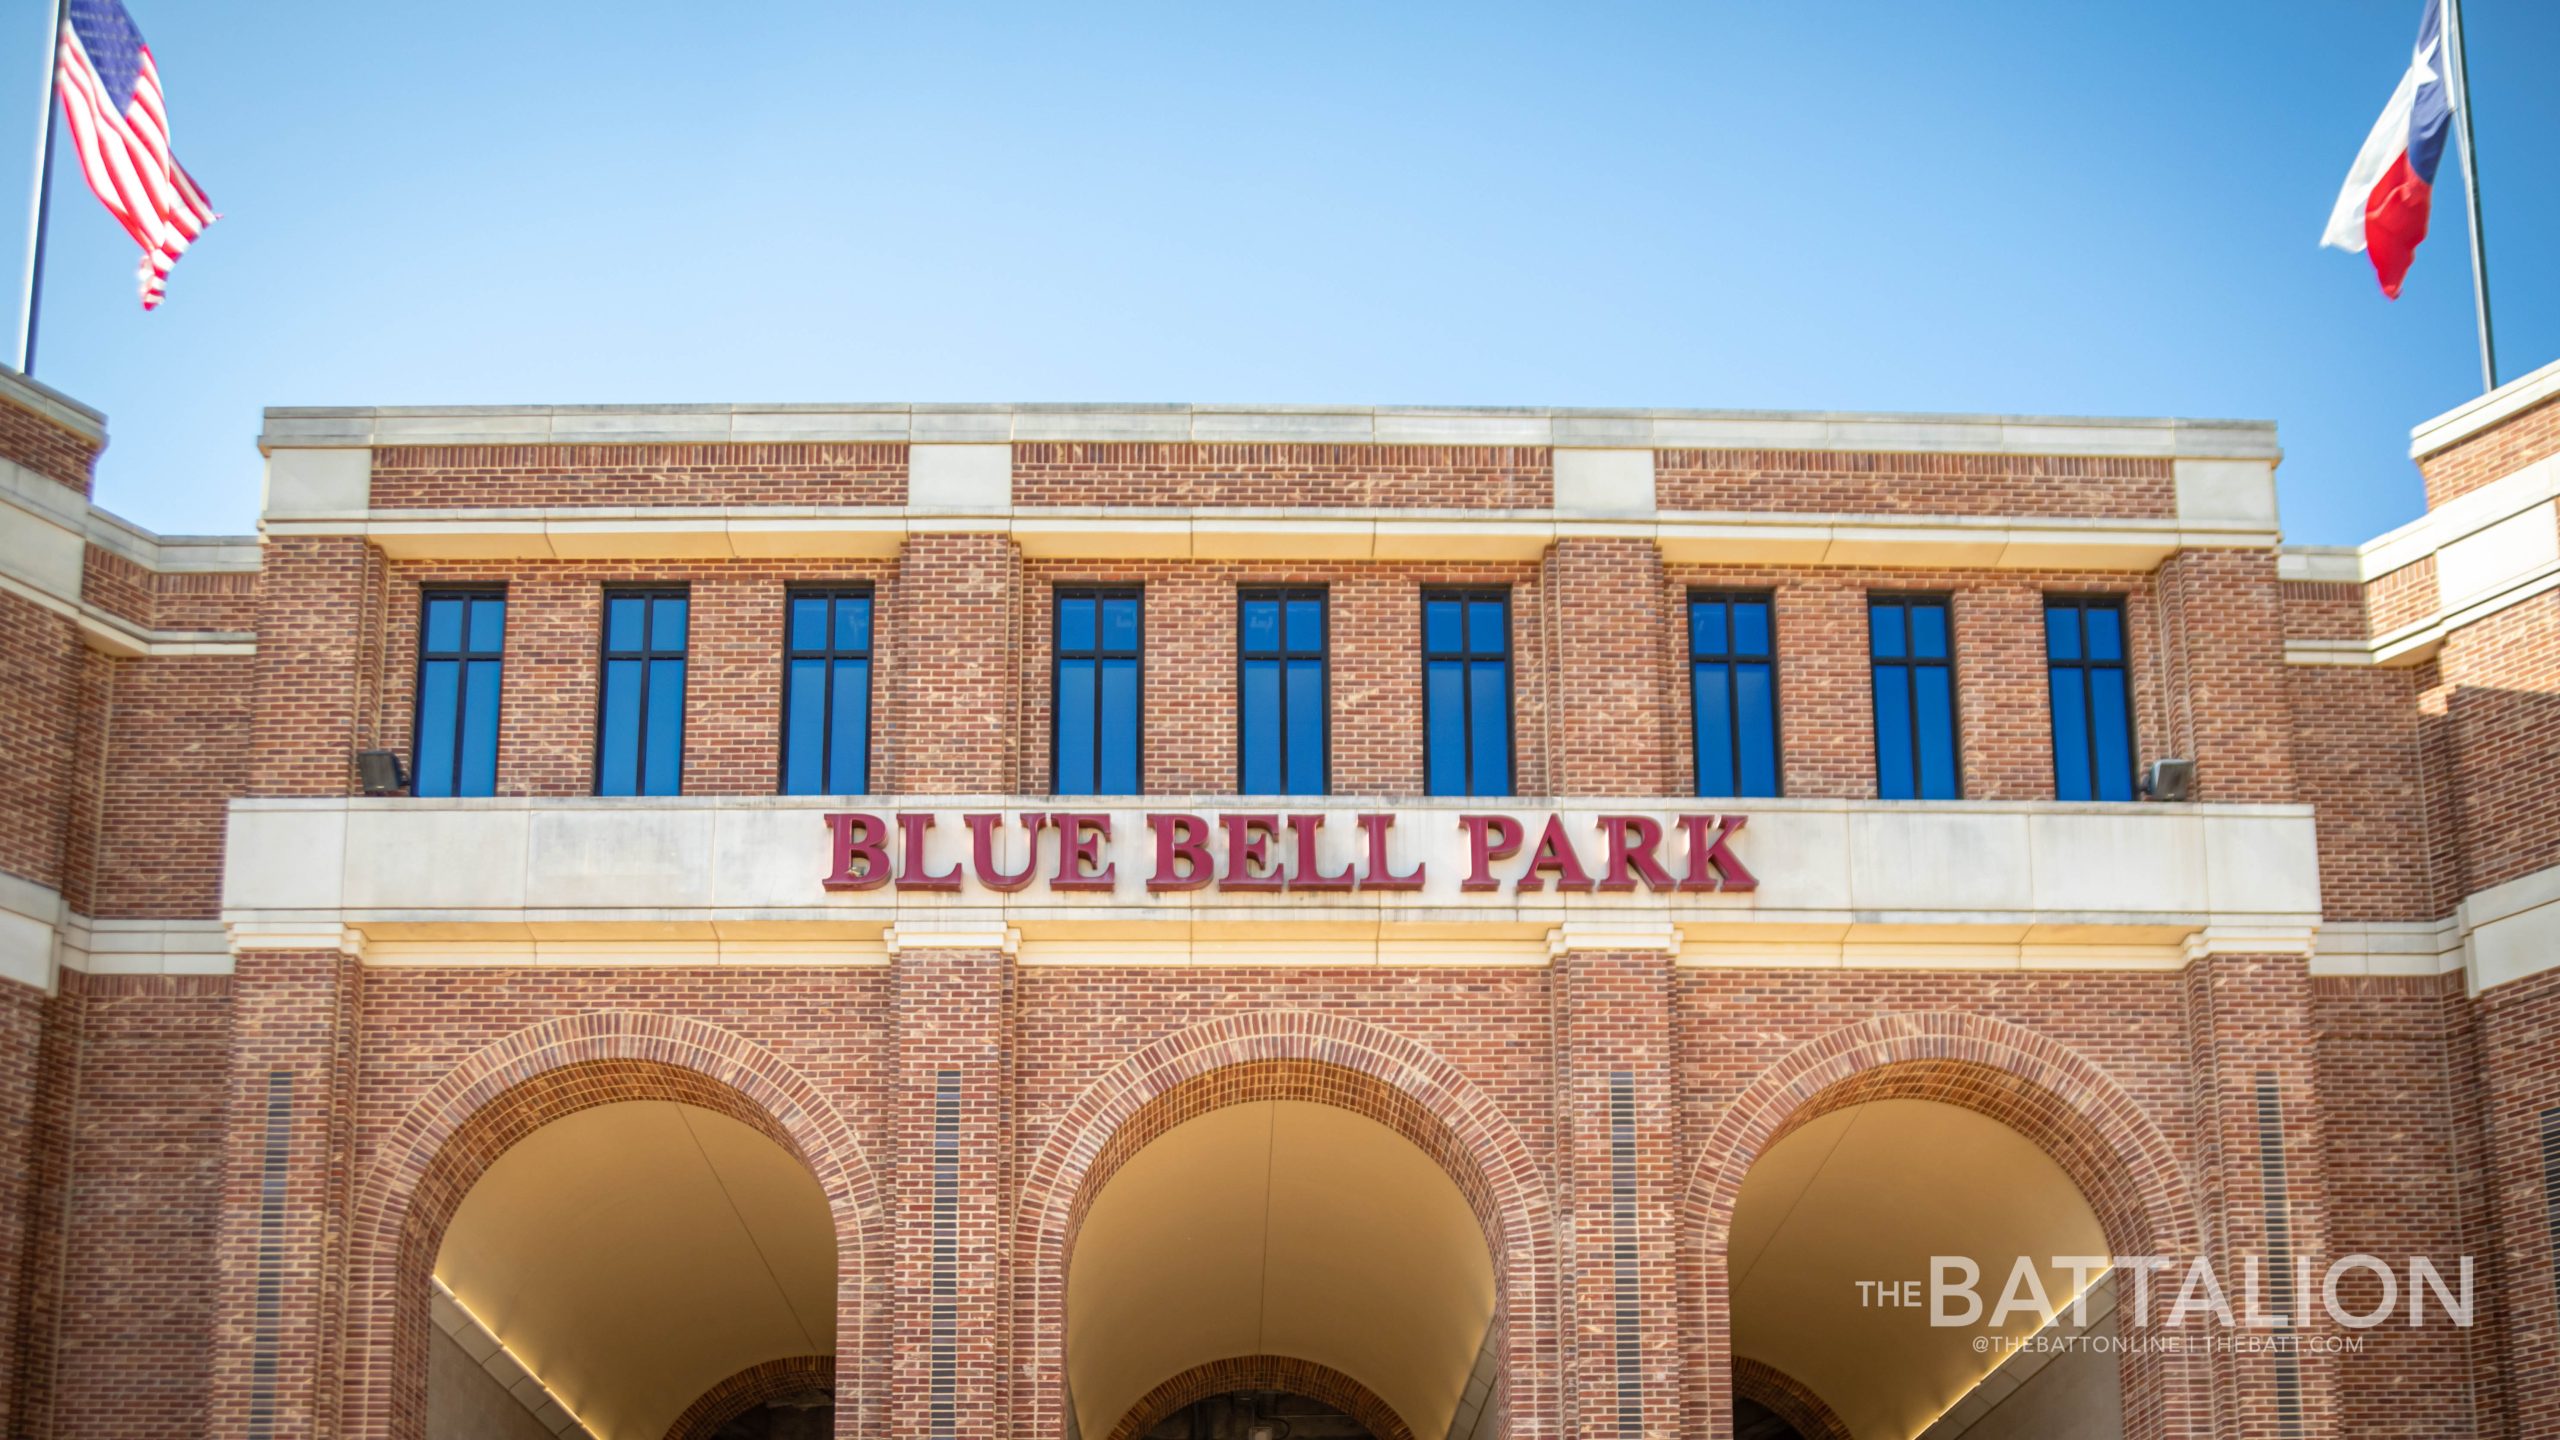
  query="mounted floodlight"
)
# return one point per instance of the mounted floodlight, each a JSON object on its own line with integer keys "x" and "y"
{"x": 2169, "y": 780}
{"x": 380, "y": 772}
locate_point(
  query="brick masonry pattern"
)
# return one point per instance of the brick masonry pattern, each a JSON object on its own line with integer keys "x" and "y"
{"x": 136, "y": 1136}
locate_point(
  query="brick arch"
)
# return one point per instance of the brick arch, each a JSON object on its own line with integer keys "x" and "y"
{"x": 2123, "y": 1165}
{"x": 1788, "y": 1398}
{"x": 424, "y": 1167}
{"x": 1263, "y": 1372}
{"x": 1293, "y": 1055}
{"x": 773, "y": 1380}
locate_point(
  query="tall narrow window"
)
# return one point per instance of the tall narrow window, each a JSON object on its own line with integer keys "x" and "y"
{"x": 461, "y": 644}
{"x": 826, "y": 693}
{"x": 1733, "y": 690}
{"x": 1280, "y": 691}
{"x": 640, "y": 732}
{"x": 2092, "y": 704}
{"x": 1466, "y": 692}
{"x": 1098, "y": 737}
{"x": 1914, "y": 658}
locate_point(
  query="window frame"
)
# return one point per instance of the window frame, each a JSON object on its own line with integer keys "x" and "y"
{"x": 1059, "y": 595}
{"x": 1733, "y": 700}
{"x": 1323, "y": 656}
{"x": 1955, "y": 688}
{"x": 468, "y": 594}
{"x": 606, "y": 655}
{"x": 829, "y": 591}
{"x": 2082, "y": 601}
{"x": 1467, "y": 594}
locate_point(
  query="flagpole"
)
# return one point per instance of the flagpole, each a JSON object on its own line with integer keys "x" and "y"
{"x": 2471, "y": 189}
{"x": 43, "y": 196}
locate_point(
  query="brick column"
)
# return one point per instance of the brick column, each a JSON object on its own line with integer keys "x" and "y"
{"x": 955, "y": 683}
{"x": 1612, "y": 717}
{"x": 286, "y": 1178}
{"x": 952, "y": 1137}
{"x": 319, "y": 665}
{"x": 2222, "y": 650}
{"x": 2252, "y": 1043}
{"x": 1618, "y": 1169}
{"x": 2519, "y": 1100}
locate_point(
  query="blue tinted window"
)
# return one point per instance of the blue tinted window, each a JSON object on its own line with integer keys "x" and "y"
{"x": 1097, "y": 738}
{"x": 1280, "y": 692}
{"x": 2092, "y": 705}
{"x": 1734, "y": 694}
{"x": 461, "y": 645}
{"x": 1466, "y": 693}
{"x": 1912, "y": 645}
{"x": 640, "y": 720}
{"x": 826, "y": 694}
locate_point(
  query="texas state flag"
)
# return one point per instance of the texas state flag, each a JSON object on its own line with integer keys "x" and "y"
{"x": 2383, "y": 209}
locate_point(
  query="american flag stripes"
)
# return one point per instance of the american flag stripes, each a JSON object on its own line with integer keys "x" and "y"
{"x": 120, "y": 125}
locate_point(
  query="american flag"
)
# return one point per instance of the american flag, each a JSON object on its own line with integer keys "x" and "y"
{"x": 111, "y": 96}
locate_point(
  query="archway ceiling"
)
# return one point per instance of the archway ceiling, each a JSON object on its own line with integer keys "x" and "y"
{"x": 1278, "y": 1228}
{"x": 633, "y": 1255}
{"x": 1871, "y": 1192}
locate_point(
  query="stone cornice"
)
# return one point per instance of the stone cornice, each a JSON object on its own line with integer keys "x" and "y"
{"x": 2474, "y": 416}
{"x": 375, "y": 426}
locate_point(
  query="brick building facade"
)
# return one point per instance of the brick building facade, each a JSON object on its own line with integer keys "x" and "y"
{"x": 1587, "y": 894}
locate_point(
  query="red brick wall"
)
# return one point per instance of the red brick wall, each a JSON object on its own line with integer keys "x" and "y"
{"x": 316, "y": 600}
{"x": 1821, "y": 482}
{"x": 2358, "y": 757}
{"x": 2403, "y": 597}
{"x": 41, "y": 660}
{"x": 2493, "y": 454}
{"x": 2500, "y": 696}
{"x": 2324, "y": 610}
{"x": 1434, "y": 477}
{"x": 2223, "y": 621}
{"x": 2402, "y": 1184}
{"x": 2519, "y": 1082}
{"x": 442, "y": 477}
{"x": 150, "y": 1115}
{"x": 46, "y": 448}
{"x": 1610, "y": 639}
{"x": 951, "y": 717}
{"x": 177, "y": 749}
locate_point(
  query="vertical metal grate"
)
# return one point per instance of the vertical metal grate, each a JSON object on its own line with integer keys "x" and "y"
{"x": 945, "y": 1404}
{"x": 2278, "y": 1215}
{"x": 1622, "y": 1244}
{"x": 2551, "y": 1188}
{"x": 267, "y": 1339}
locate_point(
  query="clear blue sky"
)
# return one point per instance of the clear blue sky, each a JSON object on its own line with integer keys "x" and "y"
{"x": 2099, "y": 208}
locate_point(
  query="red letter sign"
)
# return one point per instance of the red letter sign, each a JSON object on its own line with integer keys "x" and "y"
{"x": 863, "y": 838}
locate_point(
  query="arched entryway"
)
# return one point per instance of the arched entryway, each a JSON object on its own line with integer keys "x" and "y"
{"x": 574, "y": 1137}
{"x": 1327, "y": 1192}
{"x": 1864, "y": 1153}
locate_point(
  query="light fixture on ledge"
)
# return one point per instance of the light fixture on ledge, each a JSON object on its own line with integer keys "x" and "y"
{"x": 2169, "y": 780}
{"x": 380, "y": 772}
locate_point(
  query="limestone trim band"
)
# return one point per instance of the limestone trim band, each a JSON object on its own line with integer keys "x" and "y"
{"x": 290, "y": 427}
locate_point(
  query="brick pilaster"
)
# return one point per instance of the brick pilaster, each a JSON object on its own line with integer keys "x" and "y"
{"x": 1617, "y": 1123}
{"x": 286, "y": 1181}
{"x": 954, "y": 679}
{"x": 2222, "y": 624}
{"x": 1613, "y": 723}
{"x": 951, "y": 1127}
{"x": 2519, "y": 1103}
{"x": 2252, "y": 1044}
{"x": 316, "y": 701}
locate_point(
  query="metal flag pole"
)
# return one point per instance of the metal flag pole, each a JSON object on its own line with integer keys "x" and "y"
{"x": 2471, "y": 189}
{"x": 43, "y": 197}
